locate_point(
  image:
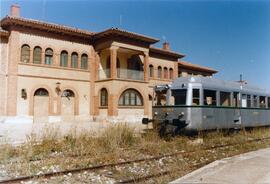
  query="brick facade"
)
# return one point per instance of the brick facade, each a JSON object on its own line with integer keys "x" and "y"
{"x": 117, "y": 61}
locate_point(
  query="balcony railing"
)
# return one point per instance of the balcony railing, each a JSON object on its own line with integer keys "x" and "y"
{"x": 122, "y": 73}
{"x": 129, "y": 74}
{"x": 104, "y": 74}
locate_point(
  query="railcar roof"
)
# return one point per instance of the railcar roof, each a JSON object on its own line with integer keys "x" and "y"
{"x": 217, "y": 84}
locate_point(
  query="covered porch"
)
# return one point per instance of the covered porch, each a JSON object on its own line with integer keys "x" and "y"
{"x": 123, "y": 63}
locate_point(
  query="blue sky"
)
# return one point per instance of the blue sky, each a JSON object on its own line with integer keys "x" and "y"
{"x": 230, "y": 36}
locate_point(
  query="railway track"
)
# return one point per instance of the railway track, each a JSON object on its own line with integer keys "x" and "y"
{"x": 129, "y": 180}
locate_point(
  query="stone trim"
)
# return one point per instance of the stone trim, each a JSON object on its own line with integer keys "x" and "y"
{"x": 57, "y": 78}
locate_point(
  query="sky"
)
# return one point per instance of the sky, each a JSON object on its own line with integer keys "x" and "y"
{"x": 232, "y": 37}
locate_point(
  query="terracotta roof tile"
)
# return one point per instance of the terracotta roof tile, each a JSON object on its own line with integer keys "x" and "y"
{"x": 44, "y": 25}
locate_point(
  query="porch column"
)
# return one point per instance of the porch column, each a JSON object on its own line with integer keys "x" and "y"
{"x": 146, "y": 66}
{"x": 113, "y": 56}
{"x": 96, "y": 66}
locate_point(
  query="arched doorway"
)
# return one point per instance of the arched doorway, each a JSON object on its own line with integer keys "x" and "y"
{"x": 41, "y": 105}
{"x": 68, "y": 105}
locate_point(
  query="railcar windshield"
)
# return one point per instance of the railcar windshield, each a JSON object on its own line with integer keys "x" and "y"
{"x": 180, "y": 96}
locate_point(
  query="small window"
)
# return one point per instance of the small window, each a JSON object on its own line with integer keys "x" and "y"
{"x": 180, "y": 96}
{"x": 165, "y": 73}
{"x": 25, "y": 54}
{"x": 171, "y": 73}
{"x": 84, "y": 62}
{"x": 225, "y": 98}
{"x": 210, "y": 97}
{"x": 268, "y": 102}
{"x": 196, "y": 97}
{"x": 37, "y": 55}
{"x": 64, "y": 59}
{"x": 159, "y": 72}
{"x": 41, "y": 92}
{"x": 255, "y": 101}
{"x": 74, "y": 60}
{"x": 262, "y": 102}
{"x": 130, "y": 97}
{"x": 151, "y": 71}
{"x": 68, "y": 93}
{"x": 103, "y": 97}
{"x": 48, "y": 56}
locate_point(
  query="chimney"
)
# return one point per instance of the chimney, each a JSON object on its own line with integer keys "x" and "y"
{"x": 15, "y": 10}
{"x": 166, "y": 46}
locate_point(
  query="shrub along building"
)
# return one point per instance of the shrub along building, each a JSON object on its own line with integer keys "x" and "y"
{"x": 51, "y": 72}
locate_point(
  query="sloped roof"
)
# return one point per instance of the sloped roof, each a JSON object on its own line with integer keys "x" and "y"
{"x": 11, "y": 20}
{"x": 191, "y": 66}
{"x": 120, "y": 32}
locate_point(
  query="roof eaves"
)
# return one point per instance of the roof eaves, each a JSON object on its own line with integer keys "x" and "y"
{"x": 197, "y": 67}
{"x": 118, "y": 31}
{"x": 57, "y": 27}
{"x": 166, "y": 52}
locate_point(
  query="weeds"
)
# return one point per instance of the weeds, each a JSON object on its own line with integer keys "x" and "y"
{"x": 117, "y": 143}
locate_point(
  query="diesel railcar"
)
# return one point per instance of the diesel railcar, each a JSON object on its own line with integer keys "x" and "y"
{"x": 201, "y": 103}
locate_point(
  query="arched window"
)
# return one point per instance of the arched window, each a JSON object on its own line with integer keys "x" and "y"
{"x": 68, "y": 93}
{"x": 41, "y": 92}
{"x": 130, "y": 97}
{"x": 84, "y": 62}
{"x": 25, "y": 54}
{"x": 37, "y": 55}
{"x": 165, "y": 73}
{"x": 48, "y": 56}
{"x": 159, "y": 72}
{"x": 103, "y": 97}
{"x": 151, "y": 71}
{"x": 64, "y": 59}
{"x": 74, "y": 60}
{"x": 171, "y": 73}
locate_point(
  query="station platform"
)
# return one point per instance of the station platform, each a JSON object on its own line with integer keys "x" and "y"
{"x": 252, "y": 167}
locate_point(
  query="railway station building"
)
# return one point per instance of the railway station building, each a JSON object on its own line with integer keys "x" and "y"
{"x": 50, "y": 72}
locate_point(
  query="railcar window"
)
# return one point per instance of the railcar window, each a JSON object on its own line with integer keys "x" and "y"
{"x": 255, "y": 101}
{"x": 262, "y": 102}
{"x": 196, "y": 97}
{"x": 225, "y": 98}
{"x": 209, "y": 97}
{"x": 248, "y": 101}
{"x": 179, "y": 96}
{"x": 244, "y": 100}
{"x": 235, "y": 99}
{"x": 268, "y": 102}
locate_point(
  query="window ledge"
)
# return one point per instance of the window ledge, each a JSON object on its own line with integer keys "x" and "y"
{"x": 103, "y": 107}
{"x": 53, "y": 66}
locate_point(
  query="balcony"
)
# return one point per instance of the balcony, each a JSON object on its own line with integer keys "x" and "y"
{"x": 122, "y": 73}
